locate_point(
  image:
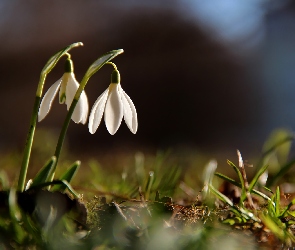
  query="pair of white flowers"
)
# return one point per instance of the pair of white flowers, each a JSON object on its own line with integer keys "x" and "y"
{"x": 114, "y": 103}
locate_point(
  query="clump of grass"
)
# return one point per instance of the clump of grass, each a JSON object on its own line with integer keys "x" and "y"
{"x": 148, "y": 205}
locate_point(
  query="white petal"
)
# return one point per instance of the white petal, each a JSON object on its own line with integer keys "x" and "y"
{"x": 71, "y": 87}
{"x": 97, "y": 112}
{"x": 130, "y": 115}
{"x": 81, "y": 109}
{"x": 84, "y": 103}
{"x": 47, "y": 100}
{"x": 114, "y": 109}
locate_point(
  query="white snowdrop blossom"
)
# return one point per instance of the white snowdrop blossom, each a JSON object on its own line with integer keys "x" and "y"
{"x": 67, "y": 86}
{"x": 115, "y": 104}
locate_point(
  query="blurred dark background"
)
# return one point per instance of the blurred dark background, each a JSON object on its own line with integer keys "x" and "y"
{"x": 207, "y": 74}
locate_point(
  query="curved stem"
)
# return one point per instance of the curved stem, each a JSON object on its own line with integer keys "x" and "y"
{"x": 30, "y": 136}
{"x": 114, "y": 65}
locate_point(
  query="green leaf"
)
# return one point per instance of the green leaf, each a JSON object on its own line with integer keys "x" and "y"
{"x": 54, "y": 59}
{"x": 280, "y": 173}
{"x": 239, "y": 211}
{"x": 267, "y": 189}
{"x": 256, "y": 177}
{"x": 278, "y": 138}
{"x": 239, "y": 185}
{"x": 15, "y": 215}
{"x": 67, "y": 176}
{"x": 221, "y": 196}
{"x": 101, "y": 61}
{"x": 267, "y": 220}
{"x": 58, "y": 182}
{"x": 208, "y": 174}
{"x": 248, "y": 214}
{"x": 149, "y": 184}
{"x": 226, "y": 200}
{"x": 277, "y": 201}
{"x": 278, "y": 144}
{"x": 288, "y": 207}
{"x": 237, "y": 170}
{"x": 45, "y": 173}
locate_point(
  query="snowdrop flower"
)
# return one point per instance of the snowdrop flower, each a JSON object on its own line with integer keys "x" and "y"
{"x": 67, "y": 86}
{"x": 115, "y": 104}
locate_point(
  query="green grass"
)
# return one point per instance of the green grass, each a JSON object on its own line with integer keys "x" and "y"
{"x": 151, "y": 201}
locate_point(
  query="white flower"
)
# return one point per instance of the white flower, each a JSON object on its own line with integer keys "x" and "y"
{"x": 116, "y": 104}
{"x": 67, "y": 86}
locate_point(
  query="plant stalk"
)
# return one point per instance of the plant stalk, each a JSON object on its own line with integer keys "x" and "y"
{"x": 30, "y": 136}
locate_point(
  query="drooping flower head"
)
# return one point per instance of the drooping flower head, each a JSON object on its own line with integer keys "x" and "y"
{"x": 67, "y": 86}
{"x": 115, "y": 104}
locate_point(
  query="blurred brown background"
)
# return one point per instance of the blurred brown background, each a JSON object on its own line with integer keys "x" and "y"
{"x": 206, "y": 74}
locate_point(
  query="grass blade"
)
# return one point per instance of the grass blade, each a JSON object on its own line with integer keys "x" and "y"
{"x": 277, "y": 202}
{"x": 288, "y": 138}
{"x": 221, "y": 196}
{"x": 288, "y": 207}
{"x": 267, "y": 220}
{"x": 280, "y": 173}
{"x": 254, "y": 191}
{"x": 44, "y": 174}
{"x": 276, "y": 140}
{"x": 67, "y": 176}
{"x": 237, "y": 170}
{"x": 58, "y": 182}
{"x": 208, "y": 174}
{"x": 256, "y": 177}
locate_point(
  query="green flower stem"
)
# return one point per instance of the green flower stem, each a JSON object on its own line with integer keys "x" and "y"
{"x": 68, "y": 119}
{"x": 114, "y": 65}
{"x": 90, "y": 72}
{"x": 28, "y": 146}
{"x": 66, "y": 123}
{"x": 30, "y": 137}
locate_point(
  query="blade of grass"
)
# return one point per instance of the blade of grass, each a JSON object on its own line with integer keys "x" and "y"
{"x": 58, "y": 182}
{"x": 45, "y": 172}
{"x": 208, "y": 174}
{"x": 280, "y": 173}
{"x": 243, "y": 192}
{"x": 246, "y": 184}
{"x": 267, "y": 220}
{"x": 256, "y": 177}
{"x": 15, "y": 215}
{"x": 221, "y": 196}
{"x": 239, "y": 211}
{"x": 67, "y": 176}
{"x": 271, "y": 149}
{"x": 239, "y": 185}
{"x": 288, "y": 207}
{"x": 149, "y": 185}
{"x": 279, "y": 143}
{"x": 277, "y": 201}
